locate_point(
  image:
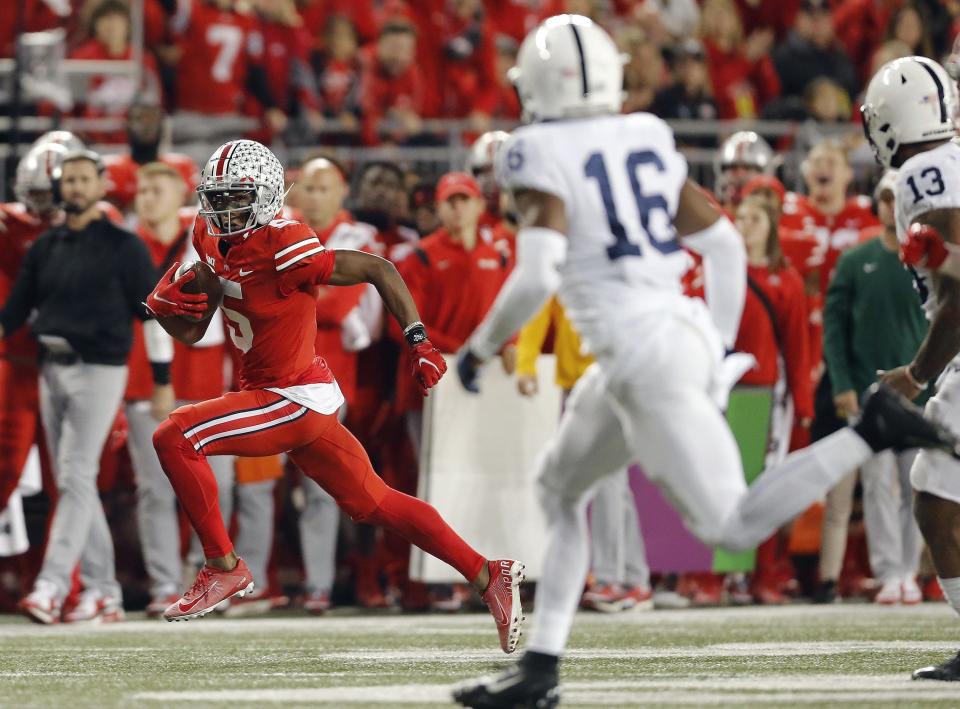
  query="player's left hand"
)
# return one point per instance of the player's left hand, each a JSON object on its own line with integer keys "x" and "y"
{"x": 923, "y": 248}
{"x": 468, "y": 369}
{"x": 428, "y": 365}
{"x": 901, "y": 381}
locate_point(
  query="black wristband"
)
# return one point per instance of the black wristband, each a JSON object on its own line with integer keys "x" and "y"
{"x": 415, "y": 333}
{"x": 161, "y": 372}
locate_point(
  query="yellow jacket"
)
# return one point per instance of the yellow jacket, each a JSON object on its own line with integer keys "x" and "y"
{"x": 571, "y": 360}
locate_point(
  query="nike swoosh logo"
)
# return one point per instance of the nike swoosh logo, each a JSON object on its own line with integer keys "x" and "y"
{"x": 499, "y": 613}
{"x": 245, "y": 273}
{"x": 186, "y": 608}
{"x": 424, "y": 360}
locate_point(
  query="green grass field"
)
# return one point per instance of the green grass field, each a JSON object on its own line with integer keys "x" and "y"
{"x": 796, "y": 656}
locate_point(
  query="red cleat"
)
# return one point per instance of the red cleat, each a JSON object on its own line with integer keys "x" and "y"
{"x": 502, "y": 597}
{"x": 211, "y": 589}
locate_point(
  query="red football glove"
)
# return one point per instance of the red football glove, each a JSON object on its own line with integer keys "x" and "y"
{"x": 924, "y": 247}
{"x": 428, "y": 365}
{"x": 169, "y": 299}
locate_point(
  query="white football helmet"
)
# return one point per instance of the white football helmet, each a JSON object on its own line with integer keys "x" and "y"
{"x": 909, "y": 100}
{"x": 36, "y": 176}
{"x": 568, "y": 67}
{"x": 240, "y": 176}
{"x": 484, "y": 150}
{"x": 60, "y": 137}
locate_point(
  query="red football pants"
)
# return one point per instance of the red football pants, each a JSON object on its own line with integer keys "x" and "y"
{"x": 19, "y": 423}
{"x": 258, "y": 423}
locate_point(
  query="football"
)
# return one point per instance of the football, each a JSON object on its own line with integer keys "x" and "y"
{"x": 205, "y": 281}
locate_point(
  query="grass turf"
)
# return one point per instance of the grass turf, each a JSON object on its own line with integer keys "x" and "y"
{"x": 806, "y": 656}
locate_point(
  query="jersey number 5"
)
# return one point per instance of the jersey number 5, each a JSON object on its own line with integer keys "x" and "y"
{"x": 666, "y": 243}
{"x": 241, "y": 332}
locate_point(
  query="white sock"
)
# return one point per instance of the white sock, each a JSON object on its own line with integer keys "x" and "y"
{"x": 785, "y": 490}
{"x": 565, "y": 566}
{"x": 951, "y": 589}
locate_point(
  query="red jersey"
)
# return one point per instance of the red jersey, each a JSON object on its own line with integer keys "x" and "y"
{"x": 812, "y": 242}
{"x": 380, "y": 92}
{"x": 766, "y": 334}
{"x": 217, "y": 48}
{"x": 269, "y": 300}
{"x": 196, "y": 371}
{"x": 338, "y": 86}
{"x": 286, "y": 60}
{"x": 453, "y": 288}
{"x": 20, "y": 230}
{"x": 121, "y": 176}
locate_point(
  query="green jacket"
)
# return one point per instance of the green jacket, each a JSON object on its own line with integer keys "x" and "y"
{"x": 872, "y": 318}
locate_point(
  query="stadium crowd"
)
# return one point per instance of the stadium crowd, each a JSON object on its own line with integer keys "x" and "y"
{"x": 371, "y": 73}
{"x": 374, "y": 71}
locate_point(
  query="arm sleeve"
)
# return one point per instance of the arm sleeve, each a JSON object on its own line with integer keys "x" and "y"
{"x": 837, "y": 326}
{"x": 540, "y": 253}
{"x": 724, "y": 274}
{"x": 531, "y": 338}
{"x": 23, "y": 296}
{"x": 796, "y": 346}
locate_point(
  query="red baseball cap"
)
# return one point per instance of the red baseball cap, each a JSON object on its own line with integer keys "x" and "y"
{"x": 766, "y": 182}
{"x": 457, "y": 183}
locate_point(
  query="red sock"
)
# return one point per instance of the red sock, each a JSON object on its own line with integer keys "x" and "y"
{"x": 421, "y": 524}
{"x": 196, "y": 488}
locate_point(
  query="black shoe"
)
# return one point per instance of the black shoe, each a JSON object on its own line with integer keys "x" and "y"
{"x": 826, "y": 592}
{"x": 949, "y": 671}
{"x": 515, "y": 688}
{"x": 890, "y": 421}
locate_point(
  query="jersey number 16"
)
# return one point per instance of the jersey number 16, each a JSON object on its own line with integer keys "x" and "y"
{"x": 666, "y": 243}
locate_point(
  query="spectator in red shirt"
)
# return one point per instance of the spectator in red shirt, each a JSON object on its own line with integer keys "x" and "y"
{"x": 286, "y": 60}
{"x": 144, "y": 131}
{"x": 338, "y": 72}
{"x": 112, "y": 95}
{"x": 774, "y": 330}
{"x": 860, "y": 26}
{"x": 391, "y": 85}
{"x": 741, "y": 72}
{"x": 459, "y": 58}
{"x": 317, "y": 15}
{"x": 221, "y": 59}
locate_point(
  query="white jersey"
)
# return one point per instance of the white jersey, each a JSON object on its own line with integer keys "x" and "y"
{"x": 620, "y": 178}
{"x": 928, "y": 181}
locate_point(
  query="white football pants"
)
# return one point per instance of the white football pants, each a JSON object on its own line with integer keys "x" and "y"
{"x": 649, "y": 401}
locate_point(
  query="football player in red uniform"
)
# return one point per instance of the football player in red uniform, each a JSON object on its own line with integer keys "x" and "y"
{"x": 269, "y": 269}
{"x": 21, "y": 223}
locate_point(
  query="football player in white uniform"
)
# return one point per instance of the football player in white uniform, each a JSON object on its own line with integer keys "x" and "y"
{"x": 910, "y": 118}
{"x": 604, "y": 202}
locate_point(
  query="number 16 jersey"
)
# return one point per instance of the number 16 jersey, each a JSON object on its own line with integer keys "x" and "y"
{"x": 619, "y": 177}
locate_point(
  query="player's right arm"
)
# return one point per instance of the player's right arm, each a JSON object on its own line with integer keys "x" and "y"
{"x": 703, "y": 228}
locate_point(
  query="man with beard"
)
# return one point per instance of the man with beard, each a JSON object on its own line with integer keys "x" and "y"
{"x": 144, "y": 133}
{"x": 87, "y": 280}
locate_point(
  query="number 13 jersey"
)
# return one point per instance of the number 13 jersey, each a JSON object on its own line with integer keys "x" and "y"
{"x": 927, "y": 181}
{"x": 269, "y": 280}
{"x": 620, "y": 178}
